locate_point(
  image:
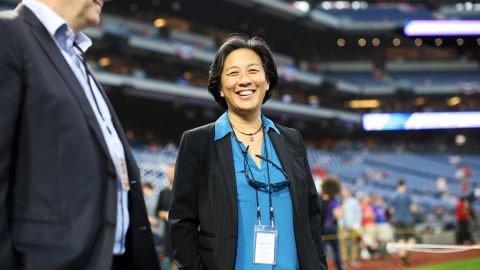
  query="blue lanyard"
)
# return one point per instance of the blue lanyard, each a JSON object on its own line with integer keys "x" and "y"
{"x": 245, "y": 156}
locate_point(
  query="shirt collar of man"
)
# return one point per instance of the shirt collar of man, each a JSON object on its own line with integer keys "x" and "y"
{"x": 54, "y": 22}
{"x": 222, "y": 126}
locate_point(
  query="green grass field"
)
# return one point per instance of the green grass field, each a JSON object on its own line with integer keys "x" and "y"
{"x": 469, "y": 264}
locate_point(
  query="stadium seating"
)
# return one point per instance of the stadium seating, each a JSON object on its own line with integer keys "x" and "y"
{"x": 373, "y": 172}
{"x": 374, "y": 14}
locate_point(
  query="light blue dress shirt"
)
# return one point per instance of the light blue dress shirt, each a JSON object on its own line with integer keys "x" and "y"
{"x": 247, "y": 206}
{"x": 352, "y": 214}
{"x": 64, "y": 37}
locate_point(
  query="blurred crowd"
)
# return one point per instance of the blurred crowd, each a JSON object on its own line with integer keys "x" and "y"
{"x": 357, "y": 226}
{"x": 357, "y": 223}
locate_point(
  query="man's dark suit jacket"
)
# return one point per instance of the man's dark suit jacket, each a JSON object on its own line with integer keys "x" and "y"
{"x": 58, "y": 189}
{"x": 203, "y": 211}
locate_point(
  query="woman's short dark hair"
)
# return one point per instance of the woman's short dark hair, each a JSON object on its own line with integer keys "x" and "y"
{"x": 239, "y": 41}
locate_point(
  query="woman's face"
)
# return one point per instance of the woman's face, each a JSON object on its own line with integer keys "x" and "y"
{"x": 243, "y": 82}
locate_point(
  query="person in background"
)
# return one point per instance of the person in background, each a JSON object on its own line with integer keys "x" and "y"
{"x": 464, "y": 219}
{"x": 384, "y": 230}
{"x": 369, "y": 243}
{"x": 350, "y": 225}
{"x": 243, "y": 183}
{"x": 70, "y": 189}
{"x": 475, "y": 224}
{"x": 151, "y": 200}
{"x": 331, "y": 213}
{"x": 163, "y": 206}
{"x": 402, "y": 210}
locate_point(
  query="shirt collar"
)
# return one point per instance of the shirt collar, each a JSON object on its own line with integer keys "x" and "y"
{"x": 54, "y": 22}
{"x": 83, "y": 41}
{"x": 268, "y": 124}
{"x": 222, "y": 126}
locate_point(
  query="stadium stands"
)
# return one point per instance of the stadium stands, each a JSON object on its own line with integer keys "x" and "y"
{"x": 374, "y": 172}
{"x": 379, "y": 14}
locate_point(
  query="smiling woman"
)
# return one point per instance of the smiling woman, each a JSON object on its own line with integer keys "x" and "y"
{"x": 243, "y": 196}
{"x": 243, "y": 83}
{"x": 262, "y": 56}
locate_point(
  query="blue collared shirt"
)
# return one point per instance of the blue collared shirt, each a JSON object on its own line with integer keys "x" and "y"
{"x": 247, "y": 208}
{"x": 64, "y": 38}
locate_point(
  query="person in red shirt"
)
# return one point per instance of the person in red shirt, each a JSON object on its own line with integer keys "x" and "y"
{"x": 463, "y": 216}
{"x": 369, "y": 228}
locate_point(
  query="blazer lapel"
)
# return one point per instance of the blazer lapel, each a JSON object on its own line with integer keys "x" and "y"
{"x": 280, "y": 146}
{"x": 51, "y": 50}
{"x": 225, "y": 156}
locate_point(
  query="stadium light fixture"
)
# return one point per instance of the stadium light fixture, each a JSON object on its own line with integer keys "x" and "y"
{"x": 104, "y": 61}
{"x": 364, "y": 104}
{"x": 460, "y": 139}
{"x": 327, "y": 5}
{"x": 362, "y": 42}
{"x": 453, "y": 101}
{"x": 356, "y": 5}
{"x": 187, "y": 75}
{"x": 419, "y": 101}
{"x": 418, "y": 42}
{"x": 442, "y": 28}
{"x": 302, "y": 6}
{"x": 159, "y": 23}
{"x": 396, "y": 42}
{"x": 287, "y": 98}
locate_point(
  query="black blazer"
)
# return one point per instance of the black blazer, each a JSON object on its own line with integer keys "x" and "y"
{"x": 58, "y": 193}
{"x": 203, "y": 210}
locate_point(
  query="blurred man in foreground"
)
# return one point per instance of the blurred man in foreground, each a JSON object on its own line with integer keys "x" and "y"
{"x": 70, "y": 193}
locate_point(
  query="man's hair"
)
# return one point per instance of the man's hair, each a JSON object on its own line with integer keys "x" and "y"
{"x": 147, "y": 185}
{"x": 331, "y": 185}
